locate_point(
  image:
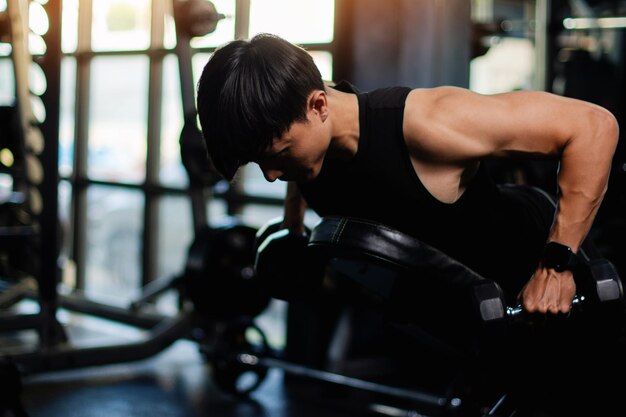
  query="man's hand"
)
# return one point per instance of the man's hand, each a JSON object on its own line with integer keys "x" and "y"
{"x": 294, "y": 208}
{"x": 548, "y": 291}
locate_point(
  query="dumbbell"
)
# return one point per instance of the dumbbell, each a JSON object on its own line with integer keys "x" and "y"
{"x": 284, "y": 265}
{"x": 196, "y": 17}
{"x": 219, "y": 273}
{"x": 599, "y": 286}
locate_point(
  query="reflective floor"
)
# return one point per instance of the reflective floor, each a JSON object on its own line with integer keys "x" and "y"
{"x": 178, "y": 382}
{"x": 175, "y": 382}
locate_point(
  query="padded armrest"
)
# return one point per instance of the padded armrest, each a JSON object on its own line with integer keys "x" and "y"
{"x": 343, "y": 237}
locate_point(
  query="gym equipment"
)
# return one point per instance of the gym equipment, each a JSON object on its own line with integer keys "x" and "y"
{"x": 233, "y": 376}
{"x": 193, "y": 18}
{"x": 242, "y": 359}
{"x": 232, "y": 253}
{"x": 22, "y": 143}
{"x": 284, "y": 266}
{"x": 219, "y": 275}
{"x": 395, "y": 269}
{"x": 601, "y": 287}
{"x": 381, "y": 261}
{"x": 31, "y": 144}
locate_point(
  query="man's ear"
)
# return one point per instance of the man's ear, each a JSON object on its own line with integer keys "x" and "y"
{"x": 318, "y": 104}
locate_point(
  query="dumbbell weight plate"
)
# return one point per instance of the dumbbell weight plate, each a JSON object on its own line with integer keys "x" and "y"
{"x": 233, "y": 371}
{"x": 219, "y": 275}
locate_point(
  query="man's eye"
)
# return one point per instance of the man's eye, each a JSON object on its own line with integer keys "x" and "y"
{"x": 275, "y": 155}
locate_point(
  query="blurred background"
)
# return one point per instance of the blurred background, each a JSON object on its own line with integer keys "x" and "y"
{"x": 98, "y": 205}
{"x": 114, "y": 104}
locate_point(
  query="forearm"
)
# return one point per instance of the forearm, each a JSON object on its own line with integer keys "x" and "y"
{"x": 583, "y": 180}
{"x": 294, "y": 209}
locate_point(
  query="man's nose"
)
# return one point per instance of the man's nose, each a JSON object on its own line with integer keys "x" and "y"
{"x": 271, "y": 174}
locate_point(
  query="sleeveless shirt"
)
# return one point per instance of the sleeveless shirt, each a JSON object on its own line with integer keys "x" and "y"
{"x": 497, "y": 231}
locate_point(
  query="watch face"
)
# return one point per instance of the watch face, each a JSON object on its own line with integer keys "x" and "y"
{"x": 558, "y": 257}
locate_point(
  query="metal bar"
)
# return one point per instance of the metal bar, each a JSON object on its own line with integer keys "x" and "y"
{"x": 16, "y": 292}
{"x": 63, "y": 358}
{"x": 242, "y": 31}
{"x": 9, "y": 233}
{"x": 542, "y": 20}
{"x": 155, "y": 95}
{"x": 156, "y": 52}
{"x": 163, "y": 190}
{"x": 135, "y": 318}
{"x": 147, "y": 188}
{"x": 342, "y": 47}
{"x": 242, "y": 19}
{"x": 153, "y": 290}
{"x": 583, "y": 23}
{"x": 14, "y": 322}
{"x": 49, "y": 219}
{"x": 81, "y": 129}
{"x": 373, "y": 387}
{"x": 185, "y": 69}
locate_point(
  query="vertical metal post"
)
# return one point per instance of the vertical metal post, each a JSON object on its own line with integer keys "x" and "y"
{"x": 242, "y": 19}
{"x": 81, "y": 129}
{"x": 242, "y": 31}
{"x": 51, "y": 332}
{"x": 342, "y": 47}
{"x": 155, "y": 93}
{"x": 197, "y": 192}
{"x": 542, "y": 20}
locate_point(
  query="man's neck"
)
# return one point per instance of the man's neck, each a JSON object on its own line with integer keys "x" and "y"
{"x": 344, "y": 114}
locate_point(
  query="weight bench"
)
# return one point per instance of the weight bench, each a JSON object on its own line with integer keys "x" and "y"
{"x": 449, "y": 306}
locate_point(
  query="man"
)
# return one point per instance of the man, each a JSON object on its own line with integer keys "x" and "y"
{"x": 413, "y": 159}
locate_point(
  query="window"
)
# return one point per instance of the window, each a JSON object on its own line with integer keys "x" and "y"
{"x": 124, "y": 186}
{"x": 507, "y": 45}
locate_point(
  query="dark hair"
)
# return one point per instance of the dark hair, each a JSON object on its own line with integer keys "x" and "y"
{"x": 249, "y": 93}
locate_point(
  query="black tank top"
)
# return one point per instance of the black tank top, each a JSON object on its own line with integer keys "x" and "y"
{"x": 492, "y": 230}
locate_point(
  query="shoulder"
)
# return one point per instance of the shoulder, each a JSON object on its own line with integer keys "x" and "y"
{"x": 425, "y": 107}
{"x": 432, "y": 99}
{"x": 435, "y": 120}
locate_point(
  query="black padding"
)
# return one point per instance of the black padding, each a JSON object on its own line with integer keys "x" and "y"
{"x": 362, "y": 239}
{"x": 414, "y": 284}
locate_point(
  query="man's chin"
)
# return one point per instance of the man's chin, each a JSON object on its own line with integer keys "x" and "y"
{"x": 308, "y": 177}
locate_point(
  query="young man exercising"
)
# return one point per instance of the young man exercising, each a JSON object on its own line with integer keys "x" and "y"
{"x": 411, "y": 159}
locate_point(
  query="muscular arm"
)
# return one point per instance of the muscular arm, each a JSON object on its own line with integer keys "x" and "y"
{"x": 455, "y": 127}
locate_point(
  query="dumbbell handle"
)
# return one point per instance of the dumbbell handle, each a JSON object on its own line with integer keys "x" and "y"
{"x": 518, "y": 310}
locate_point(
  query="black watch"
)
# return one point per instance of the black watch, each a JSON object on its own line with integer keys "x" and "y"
{"x": 558, "y": 257}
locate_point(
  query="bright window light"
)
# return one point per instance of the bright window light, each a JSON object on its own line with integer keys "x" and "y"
{"x": 303, "y": 21}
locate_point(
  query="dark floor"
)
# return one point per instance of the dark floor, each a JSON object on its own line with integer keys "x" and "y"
{"x": 175, "y": 382}
{"x": 178, "y": 382}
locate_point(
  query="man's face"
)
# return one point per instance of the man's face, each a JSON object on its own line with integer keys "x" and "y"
{"x": 298, "y": 154}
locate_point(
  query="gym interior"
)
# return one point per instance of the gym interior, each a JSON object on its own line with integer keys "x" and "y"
{"x": 128, "y": 276}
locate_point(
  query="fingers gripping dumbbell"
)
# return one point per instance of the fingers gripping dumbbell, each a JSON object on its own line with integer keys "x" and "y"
{"x": 598, "y": 284}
